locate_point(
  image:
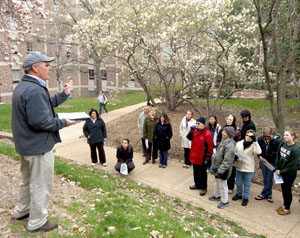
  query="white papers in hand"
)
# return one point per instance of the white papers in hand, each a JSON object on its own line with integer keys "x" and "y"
{"x": 73, "y": 115}
{"x": 147, "y": 143}
{"x": 268, "y": 165}
{"x": 278, "y": 179}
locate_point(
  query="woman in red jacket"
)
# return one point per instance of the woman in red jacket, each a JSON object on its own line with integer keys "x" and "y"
{"x": 200, "y": 154}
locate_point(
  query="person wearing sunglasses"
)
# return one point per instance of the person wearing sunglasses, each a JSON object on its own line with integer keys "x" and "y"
{"x": 247, "y": 151}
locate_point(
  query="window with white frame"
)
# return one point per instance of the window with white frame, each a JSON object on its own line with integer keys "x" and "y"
{"x": 29, "y": 47}
{"x": 16, "y": 75}
{"x": 68, "y": 51}
{"x": 103, "y": 74}
{"x": 91, "y": 74}
{"x": 69, "y": 71}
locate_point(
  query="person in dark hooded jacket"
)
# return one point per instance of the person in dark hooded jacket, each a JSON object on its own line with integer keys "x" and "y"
{"x": 248, "y": 124}
{"x": 162, "y": 136}
{"x": 268, "y": 143}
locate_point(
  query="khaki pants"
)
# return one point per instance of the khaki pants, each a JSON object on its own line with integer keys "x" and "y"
{"x": 221, "y": 189}
{"x": 37, "y": 173}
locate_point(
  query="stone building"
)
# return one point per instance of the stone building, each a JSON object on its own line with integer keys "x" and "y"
{"x": 53, "y": 38}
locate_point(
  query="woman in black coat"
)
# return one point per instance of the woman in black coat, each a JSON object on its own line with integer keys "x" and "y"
{"x": 95, "y": 131}
{"x": 125, "y": 155}
{"x": 162, "y": 136}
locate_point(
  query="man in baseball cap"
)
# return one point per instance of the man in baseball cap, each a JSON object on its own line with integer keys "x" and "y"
{"x": 36, "y": 131}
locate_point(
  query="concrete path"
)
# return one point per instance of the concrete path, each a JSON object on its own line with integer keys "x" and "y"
{"x": 258, "y": 217}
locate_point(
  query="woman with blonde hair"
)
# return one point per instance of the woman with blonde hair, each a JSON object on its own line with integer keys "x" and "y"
{"x": 286, "y": 166}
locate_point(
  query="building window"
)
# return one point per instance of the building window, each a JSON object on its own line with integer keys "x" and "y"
{"x": 68, "y": 51}
{"x": 91, "y": 74}
{"x": 103, "y": 74}
{"x": 16, "y": 75}
{"x": 14, "y": 48}
{"x": 69, "y": 73}
{"x": 29, "y": 47}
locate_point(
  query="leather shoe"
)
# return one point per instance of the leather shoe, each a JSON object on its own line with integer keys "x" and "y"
{"x": 245, "y": 202}
{"x": 48, "y": 226}
{"x": 146, "y": 161}
{"x": 194, "y": 187}
{"x": 203, "y": 192}
{"x": 236, "y": 197}
{"x": 153, "y": 161}
{"x": 21, "y": 218}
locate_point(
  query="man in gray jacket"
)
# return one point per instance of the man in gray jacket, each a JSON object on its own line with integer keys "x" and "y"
{"x": 35, "y": 130}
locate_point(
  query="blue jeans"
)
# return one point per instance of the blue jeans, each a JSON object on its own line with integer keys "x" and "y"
{"x": 268, "y": 181}
{"x": 163, "y": 157}
{"x": 100, "y": 108}
{"x": 243, "y": 178}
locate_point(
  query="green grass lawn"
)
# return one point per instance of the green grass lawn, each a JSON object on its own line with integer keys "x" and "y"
{"x": 79, "y": 105}
{"x": 116, "y": 206}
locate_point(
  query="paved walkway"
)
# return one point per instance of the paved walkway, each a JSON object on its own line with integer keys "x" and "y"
{"x": 258, "y": 217}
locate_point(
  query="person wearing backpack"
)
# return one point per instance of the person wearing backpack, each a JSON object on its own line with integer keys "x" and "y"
{"x": 102, "y": 99}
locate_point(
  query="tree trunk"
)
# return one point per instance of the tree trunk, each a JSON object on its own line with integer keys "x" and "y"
{"x": 97, "y": 62}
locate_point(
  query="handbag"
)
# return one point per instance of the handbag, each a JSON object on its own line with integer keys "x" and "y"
{"x": 124, "y": 169}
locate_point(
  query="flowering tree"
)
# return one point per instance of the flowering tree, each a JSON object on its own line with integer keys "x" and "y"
{"x": 178, "y": 47}
{"x": 16, "y": 17}
{"x": 279, "y": 25}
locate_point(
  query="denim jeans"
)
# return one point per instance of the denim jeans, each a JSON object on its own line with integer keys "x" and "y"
{"x": 100, "y": 108}
{"x": 163, "y": 157}
{"x": 268, "y": 181}
{"x": 243, "y": 178}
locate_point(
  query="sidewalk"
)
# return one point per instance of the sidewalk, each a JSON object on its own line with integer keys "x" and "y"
{"x": 258, "y": 217}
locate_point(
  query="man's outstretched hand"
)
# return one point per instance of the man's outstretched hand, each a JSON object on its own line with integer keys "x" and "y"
{"x": 68, "y": 86}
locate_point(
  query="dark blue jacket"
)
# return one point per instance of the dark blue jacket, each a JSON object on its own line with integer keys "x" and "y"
{"x": 96, "y": 131}
{"x": 34, "y": 125}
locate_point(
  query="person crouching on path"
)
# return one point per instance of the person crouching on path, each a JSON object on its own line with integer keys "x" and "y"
{"x": 269, "y": 144}
{"x": 222, "y": 167}
{"x": 201, "y": 152}
{"x": 148, "y": 133}
{"x": 286, "y": 165}
{"x": 125, "y": 155}
{"x": 95, "y": 131}
{"x": 247, "y": 151}
{"x": 162, "y": 136}
{"x": 140, "y": 124}
{"x": 184, "y": 128}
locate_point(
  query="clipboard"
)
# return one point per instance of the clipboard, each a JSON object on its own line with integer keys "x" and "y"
{"x": 73, "y": 116}
{"x": 268, "y": 165}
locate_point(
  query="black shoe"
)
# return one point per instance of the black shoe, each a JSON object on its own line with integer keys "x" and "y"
{"x": 245, "y": 202}
{"x": 48, "y": 226}
{"x": 21, "y": 218}
{"x": 153, "y": 161}
{"x": 203, "y": 192}
{"x": 146, "y": 161}
{"x": 236, "y": 197}
{"x": 194, "y": 187}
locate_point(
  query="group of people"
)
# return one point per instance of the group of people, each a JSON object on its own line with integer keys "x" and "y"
{"x": 228, "y": 152}
{"x": 233, "y": 153}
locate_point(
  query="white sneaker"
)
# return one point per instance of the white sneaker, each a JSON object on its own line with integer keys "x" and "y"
{"x": 230, "y": 191}
{"x": 93, "y": 164}
{"x": 104, "y": 164}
